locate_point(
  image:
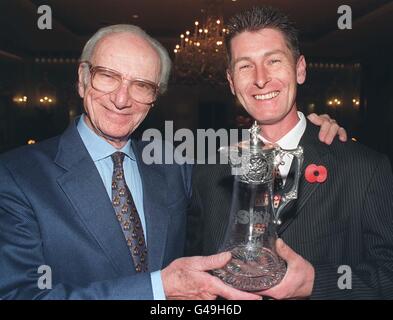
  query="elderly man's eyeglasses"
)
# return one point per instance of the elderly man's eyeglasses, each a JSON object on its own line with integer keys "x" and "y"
{"x": 108, "y": 80}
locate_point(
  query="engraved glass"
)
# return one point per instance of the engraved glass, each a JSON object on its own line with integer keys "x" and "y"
{"x": 251, "y": 234}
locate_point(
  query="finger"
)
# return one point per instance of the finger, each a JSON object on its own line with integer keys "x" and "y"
{"x": 325, "y": 116}
{"x": 325, "y": 122}
{"x": 207, "y": 296}
{"x": 331, "y": 134}
{"x": 210, "y": 262}
{"x": 342, "y": 134}
{"x": 275, "y": 293}
{"x": 318, "y": 119}
{"x": 323, "y": 131}
{"x": 227, "y": 292}
{"x": 284, "y": 251}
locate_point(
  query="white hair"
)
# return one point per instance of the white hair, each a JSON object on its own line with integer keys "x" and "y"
{"x": 166, "y": 63}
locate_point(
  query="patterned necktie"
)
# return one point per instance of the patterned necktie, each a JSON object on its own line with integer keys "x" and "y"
{"x": 127, "y": 215}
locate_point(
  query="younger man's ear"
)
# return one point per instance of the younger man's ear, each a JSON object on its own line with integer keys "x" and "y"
{"x": 301, "y": 70}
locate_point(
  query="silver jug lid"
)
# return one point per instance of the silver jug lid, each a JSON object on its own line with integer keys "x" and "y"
{"x": 252, "y": 161}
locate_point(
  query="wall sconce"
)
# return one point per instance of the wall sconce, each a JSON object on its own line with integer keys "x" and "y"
{"x": 334, "y": 102}
{"x": 47, "y": 100}
{"x": 20, "y": 99}
{"x": 31, "y": 141}
{"x": 46, "y": 93}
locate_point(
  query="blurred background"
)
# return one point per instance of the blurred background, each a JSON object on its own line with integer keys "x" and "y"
{"x": 350, "y": 71}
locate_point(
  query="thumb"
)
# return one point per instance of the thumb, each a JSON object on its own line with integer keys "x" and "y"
{"x": 214, "y": 261}
{"x": 284, "y": 251}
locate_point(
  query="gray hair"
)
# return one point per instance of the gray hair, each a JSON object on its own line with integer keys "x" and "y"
{"x": 166, "y": 63}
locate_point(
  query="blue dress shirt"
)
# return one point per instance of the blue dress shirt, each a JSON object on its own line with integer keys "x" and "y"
{"x": 100, "y": 151}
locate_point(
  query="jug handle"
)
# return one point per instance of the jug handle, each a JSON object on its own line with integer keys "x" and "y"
{"x": 291, "y": 194}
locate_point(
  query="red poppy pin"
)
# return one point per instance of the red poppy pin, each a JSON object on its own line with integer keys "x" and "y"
{"x": 315, "y": 173}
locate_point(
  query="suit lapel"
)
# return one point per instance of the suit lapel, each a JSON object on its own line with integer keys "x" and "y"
{"x": 314, "y": 153}
{"x": 155, "y": 208}
{"x": 83, "y": 186}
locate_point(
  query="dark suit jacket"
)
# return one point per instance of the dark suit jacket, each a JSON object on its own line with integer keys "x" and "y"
{"x": 55, "y": 211}
{"x": 347, "y": 220}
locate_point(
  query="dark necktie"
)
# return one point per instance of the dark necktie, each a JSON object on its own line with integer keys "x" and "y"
{"x": 127, "y": 215}
{"x": 278, "y": 181}
{"x": 277, "y": 188}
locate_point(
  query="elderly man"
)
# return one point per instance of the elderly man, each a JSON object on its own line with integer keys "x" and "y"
{"x": 343, "y": 223}
{"x": 81, "y": 215}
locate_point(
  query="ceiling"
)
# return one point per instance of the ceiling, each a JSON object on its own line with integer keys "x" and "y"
{"x": 75, "y": 20}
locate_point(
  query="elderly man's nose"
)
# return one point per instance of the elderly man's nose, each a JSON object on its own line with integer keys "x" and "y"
{"x": 121, "y": 97}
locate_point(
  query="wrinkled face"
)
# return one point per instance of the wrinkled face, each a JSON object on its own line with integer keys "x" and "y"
{"x": 263, "y": 75}
{"x": 115, "y": 115}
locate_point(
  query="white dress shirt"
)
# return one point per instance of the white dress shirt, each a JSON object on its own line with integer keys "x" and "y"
{"x": 290, "y": 141}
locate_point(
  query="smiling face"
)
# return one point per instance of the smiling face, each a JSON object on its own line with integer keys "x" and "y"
{"x": 115, "y": 115}
{"x": 264, "y": 75}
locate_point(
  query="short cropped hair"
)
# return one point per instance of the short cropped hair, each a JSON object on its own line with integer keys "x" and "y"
{"x": 259, "y": 18}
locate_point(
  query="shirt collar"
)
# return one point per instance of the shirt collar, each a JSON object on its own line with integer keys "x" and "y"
{"x": 97, "y": 147}
{"x": 292, "y": 138}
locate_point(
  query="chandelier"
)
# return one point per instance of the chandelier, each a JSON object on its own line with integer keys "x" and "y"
{"x": 200, "y": 55}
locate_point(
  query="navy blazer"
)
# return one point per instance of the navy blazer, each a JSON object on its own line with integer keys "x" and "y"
{"x": 55, "y": 211}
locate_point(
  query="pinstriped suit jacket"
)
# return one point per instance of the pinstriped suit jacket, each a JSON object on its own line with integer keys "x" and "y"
{"x": 347, "y": 220}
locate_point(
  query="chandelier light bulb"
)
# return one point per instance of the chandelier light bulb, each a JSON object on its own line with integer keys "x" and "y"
{"x": 203, "y": 41}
